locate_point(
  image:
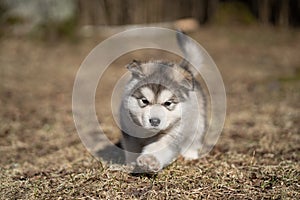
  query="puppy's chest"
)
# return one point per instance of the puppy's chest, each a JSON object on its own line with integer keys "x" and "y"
{"x": 155, "y": 138}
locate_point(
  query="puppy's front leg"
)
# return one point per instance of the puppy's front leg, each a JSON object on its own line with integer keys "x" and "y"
{"x": 157, "y": 155}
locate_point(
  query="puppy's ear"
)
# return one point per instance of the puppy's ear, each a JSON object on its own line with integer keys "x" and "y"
{"x": 135, "y": 68}
{"x": 188, "y": 81}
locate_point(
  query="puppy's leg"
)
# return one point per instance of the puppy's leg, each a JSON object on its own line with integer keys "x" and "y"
{"x": 192, "y": 145}
{"x": 157, "y": 155}
{"x": 192, "y": 152}
{"x": 132, "y": 147}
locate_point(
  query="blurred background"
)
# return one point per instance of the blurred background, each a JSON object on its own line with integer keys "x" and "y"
{"x": 56, "y": 18}
{"x": 255, "y": 44}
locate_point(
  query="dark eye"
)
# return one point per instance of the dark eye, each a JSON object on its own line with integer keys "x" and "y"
{"x": 143, "y": 102}
{"x": 167, "y": 103}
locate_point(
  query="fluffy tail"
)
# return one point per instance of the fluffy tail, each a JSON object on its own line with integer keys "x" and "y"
{"x": 191, "y": 52}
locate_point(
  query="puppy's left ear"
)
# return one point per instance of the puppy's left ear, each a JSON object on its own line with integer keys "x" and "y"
{"x": 188, "y": 81}
{"x": 135, "y": 68}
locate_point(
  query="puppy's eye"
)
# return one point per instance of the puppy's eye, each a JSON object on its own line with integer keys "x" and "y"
{"x": 167, "y": 103}
{"x": 143, "y": 102}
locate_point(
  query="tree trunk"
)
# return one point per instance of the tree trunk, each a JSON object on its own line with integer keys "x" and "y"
{"x": 264, "y": 11}
{"x": 283, "y": 15}
{"x": 91, "y": 12}
{"x": 198, "y": 10}
{"x": 212, "y": 7}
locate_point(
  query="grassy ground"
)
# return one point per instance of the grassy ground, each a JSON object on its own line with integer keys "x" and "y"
{"x": 257, "y": 155}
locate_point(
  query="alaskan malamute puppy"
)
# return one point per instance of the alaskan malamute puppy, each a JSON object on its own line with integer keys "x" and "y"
{"x": 163, "y": 112}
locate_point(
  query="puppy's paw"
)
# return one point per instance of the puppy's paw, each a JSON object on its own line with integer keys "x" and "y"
{"x": 148, "y": 163}
{"x": 190, "y": 155}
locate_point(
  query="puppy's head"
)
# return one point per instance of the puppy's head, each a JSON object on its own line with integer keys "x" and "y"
{"x": 155, "y": 101}
{"x": 153, "y": 106}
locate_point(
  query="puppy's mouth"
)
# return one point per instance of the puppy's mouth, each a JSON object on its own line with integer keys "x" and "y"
{"x": 154, "y": 129}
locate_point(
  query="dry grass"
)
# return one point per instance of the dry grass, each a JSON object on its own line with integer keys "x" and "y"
{"x": 257, "y": 156}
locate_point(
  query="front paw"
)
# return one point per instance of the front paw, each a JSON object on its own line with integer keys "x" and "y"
{"x": 148, "y": 163}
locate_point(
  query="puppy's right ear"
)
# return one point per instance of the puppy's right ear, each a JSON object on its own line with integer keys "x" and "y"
{"x": 135, "y": 68}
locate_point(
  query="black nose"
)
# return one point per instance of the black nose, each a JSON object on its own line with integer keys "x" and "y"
{"x": 154, "y": 121}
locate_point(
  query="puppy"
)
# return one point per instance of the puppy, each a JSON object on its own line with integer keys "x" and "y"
{"x": 163, "y": 111}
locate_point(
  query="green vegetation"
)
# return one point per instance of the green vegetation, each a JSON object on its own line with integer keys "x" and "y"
{"x": 234, "y": 13}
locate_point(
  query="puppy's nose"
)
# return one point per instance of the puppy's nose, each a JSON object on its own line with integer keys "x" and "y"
{"x": 154, "y": 121}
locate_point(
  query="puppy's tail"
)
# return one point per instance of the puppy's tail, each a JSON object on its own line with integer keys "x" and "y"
{"x": 191, "y": 52}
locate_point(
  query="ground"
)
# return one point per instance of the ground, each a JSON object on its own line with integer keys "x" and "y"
{"x": 257, "y": 155}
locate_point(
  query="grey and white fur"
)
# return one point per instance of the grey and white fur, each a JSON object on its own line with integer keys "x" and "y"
{"x": 163, "y": 111}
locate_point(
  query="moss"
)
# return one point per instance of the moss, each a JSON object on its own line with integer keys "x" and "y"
{"x": 294, "y": 77}
{"x": 51, "y": 31}
{"x": 13, "y": 20}
{"x": 234, "y": 13}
